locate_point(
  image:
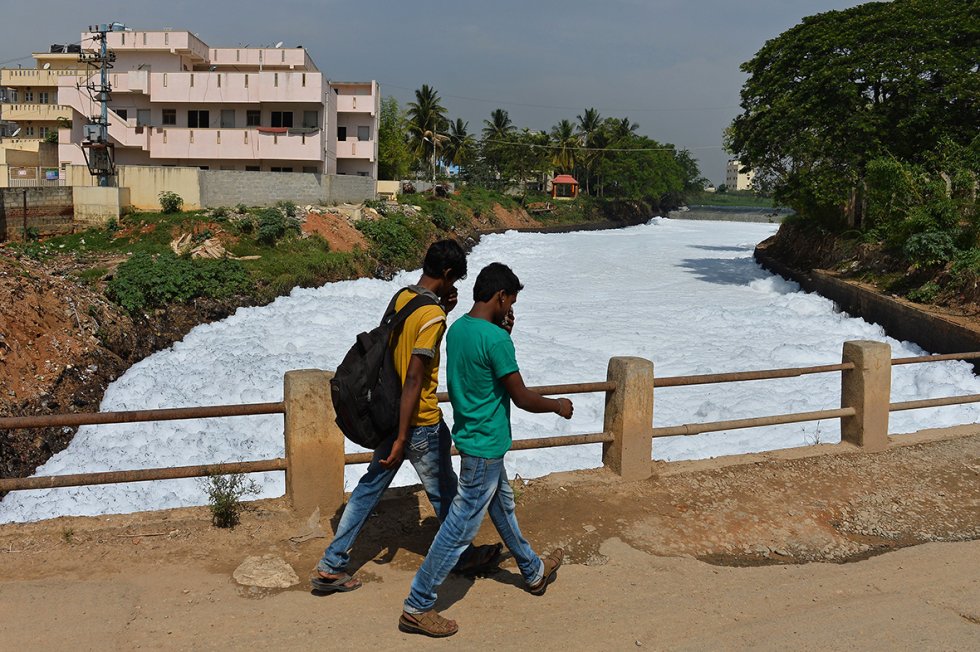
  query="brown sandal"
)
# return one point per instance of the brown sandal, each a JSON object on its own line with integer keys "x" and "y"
{"x": 551, "y": 565}
{"x": 429, "y": 623}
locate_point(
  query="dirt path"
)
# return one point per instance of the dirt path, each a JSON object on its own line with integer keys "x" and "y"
{"x": 705, "y": 555}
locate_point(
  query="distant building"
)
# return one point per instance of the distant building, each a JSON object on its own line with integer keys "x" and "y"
{"x": 176, "y": 101}
{"x": 736, "y": 180}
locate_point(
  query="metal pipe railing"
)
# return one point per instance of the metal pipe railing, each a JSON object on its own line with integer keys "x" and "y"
{"x": 737, "y": 376}
{"x": 734, "y": 424}
{"x": 937, "y": 358}
{"x": 140, "y": 475}
{"x": 551, "y": 390}
{"x": 933, "y": 402}
{"x": 136, "y": 416}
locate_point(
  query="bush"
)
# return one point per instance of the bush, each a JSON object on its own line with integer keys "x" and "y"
{"x": 925, "y": 293}
{"x": 397, "y": 240}
{"x": 241, "y": 209}
{"x": 930, "y": 249}
{"x": 224, "y": 493}
{"x": 170, "y": 202}
{"x": 145, "y": 282}
{"x": 273, "y": 225}
{"x": 220, "y": 213}
{"x": 287, "y": 207}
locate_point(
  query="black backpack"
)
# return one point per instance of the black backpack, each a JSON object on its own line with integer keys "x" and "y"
{"x": 366, "y": 389}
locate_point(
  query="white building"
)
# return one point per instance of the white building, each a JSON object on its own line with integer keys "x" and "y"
{"x": 735, "y": 179}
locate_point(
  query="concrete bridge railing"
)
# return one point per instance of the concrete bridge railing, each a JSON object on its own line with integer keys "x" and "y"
{"x": 314, "y": 446}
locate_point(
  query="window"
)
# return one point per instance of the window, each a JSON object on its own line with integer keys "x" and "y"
{"x": 309, "y": 168}
{"x": 282, "y": 118}
{"x": 227, "y": 118}
{"x": 170, "y": 117}
{"x": 42, "y": 132}
{"x": 341, "y": 134}
{"x": 311, "y": 119}
{"x": 142, "y": 117}
{"x": 28, "y": 96}
{"x": 275, "y": 79}
{"x": 253, "y": 118}
{"x": 251, "y": 168}
{"x": 192, "y": 80}
{"x": 364, "y": 133}
{"x": 29, "y": 132}
{"x": 42, "y": 97}
{"x": 198, "y": 119}
{"x": 278, "y": 169}
{"x": 123, "y": 113}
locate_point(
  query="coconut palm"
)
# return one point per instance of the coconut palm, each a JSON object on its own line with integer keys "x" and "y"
{"x": 426, "y": 124}
{"x": 460, "y": 146}
{"x": 498, "y": 132}
{"x": 566, "y": 143}
{"x": 589, "y": 127}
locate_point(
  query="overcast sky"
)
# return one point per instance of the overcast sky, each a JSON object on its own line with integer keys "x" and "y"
{"x": 670, "y": 65}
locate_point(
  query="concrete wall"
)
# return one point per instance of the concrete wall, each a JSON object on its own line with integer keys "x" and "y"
{"x": 49, "y": 210}
{"x": 145, "y": 183}
{"x": 95, "y": 206}
{"x": 231, "y": 187}
{"x": 900, "y": 319}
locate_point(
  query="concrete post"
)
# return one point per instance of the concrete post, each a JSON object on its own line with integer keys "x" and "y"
{"x": 629, "y": 417}
{"x": 867, "y": 389}
{"x": 314, "y": 444}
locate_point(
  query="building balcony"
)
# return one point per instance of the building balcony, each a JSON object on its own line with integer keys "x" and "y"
{"x": 35, "y": 112}
{"x": 34, "y": 77}
{"x": 241, "y": 144}
{"x": 235, "y": 88}
{"x": 354, "y": 148}
{"x": 356, "y": 104}
{"x": 288, "y": 58}
{"x": 183, "y": 43}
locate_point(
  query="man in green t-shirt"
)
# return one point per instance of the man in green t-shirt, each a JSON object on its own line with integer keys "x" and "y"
{"x": 483, "y": 379}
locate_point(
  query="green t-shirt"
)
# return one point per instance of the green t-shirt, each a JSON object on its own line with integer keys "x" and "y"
{"x": 478, "y": 355}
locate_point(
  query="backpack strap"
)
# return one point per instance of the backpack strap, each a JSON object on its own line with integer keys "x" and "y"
{"x": 394, "y": 319}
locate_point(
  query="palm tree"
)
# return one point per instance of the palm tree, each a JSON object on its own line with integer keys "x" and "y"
{"x": 589, "y": 124}
{"x": 460, "y": 146}
{"x": 426, "y": 124}
{"x": 498, "y": 133}
{"x": 566, "y": 142}
{"x": 623, "y": 128}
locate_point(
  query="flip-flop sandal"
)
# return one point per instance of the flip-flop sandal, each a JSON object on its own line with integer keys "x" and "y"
{"x": 551, "y": 565}
{"x": 480, "y": 560}
{"x": 429, "y": 623}
{"x": 338, "y": 585}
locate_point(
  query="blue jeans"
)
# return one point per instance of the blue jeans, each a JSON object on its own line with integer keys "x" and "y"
{"x": 428, "y": 451}
{"x": 483, "y": 486}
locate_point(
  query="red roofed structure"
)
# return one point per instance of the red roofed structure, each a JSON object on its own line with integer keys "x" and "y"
{"x": 564, "y": 186}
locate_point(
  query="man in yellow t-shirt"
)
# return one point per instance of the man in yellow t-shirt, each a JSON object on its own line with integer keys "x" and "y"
{"x": 422, "y": 435}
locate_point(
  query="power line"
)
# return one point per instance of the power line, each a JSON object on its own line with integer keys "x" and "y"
{"x": 574, "y": 108}
{"x": 600, "y": 149}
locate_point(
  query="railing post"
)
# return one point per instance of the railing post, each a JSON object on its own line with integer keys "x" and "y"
{"x": 867, "y": 389}
{"x": 629, "y": 418}
{"x": 314, "y": 443}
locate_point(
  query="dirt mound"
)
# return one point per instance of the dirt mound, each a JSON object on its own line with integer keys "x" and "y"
{"x": 337, "y": 231}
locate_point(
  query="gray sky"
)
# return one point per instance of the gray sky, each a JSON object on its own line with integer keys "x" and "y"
{"x": 670, "y": 65}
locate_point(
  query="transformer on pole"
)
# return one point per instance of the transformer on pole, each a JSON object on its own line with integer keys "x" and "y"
{"x": 99, "y": 152}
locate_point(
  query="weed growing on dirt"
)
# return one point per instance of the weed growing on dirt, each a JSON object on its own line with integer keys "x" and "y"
{"x": 68, "y": 535}
{"x": 224, "y": 495}
{"x": 170, "y": 202}
{"x": 145, "y": 281}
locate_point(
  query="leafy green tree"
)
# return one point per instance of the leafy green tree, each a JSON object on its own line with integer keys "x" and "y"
{"x": 843, "y": 88}
{"x": 394, "y": 157}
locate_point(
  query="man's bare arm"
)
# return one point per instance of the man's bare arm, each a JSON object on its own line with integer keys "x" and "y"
{"x": 532, "y": 402}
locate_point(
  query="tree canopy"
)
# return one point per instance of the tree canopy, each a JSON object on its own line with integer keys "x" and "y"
{"x": 844, "y": 88}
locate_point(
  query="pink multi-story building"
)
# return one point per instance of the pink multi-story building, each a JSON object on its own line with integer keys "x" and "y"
{"x": 176, "y": 101}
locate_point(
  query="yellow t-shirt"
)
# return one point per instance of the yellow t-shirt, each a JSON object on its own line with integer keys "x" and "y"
{"x": 421, "y": 334}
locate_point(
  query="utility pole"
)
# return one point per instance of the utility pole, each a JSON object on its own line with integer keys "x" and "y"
{"x": 99, "y": 152}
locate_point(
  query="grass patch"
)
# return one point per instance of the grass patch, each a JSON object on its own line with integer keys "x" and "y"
{"x": 729, "y": 199}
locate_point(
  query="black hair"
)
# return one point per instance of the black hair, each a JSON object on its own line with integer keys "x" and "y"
{"x": 492, "y": 279}
{"x": 443, "y": 255}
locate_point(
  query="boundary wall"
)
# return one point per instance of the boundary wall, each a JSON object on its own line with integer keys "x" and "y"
{"x": 901, "y": 321}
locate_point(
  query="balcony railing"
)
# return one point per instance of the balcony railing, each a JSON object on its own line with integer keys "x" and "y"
{"x": 35, "y": 112}
{"x": 354, "y": 148}
{"x": 175, "y": 142}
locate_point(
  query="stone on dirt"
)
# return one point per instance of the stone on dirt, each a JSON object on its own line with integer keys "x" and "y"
{"x": 267, "y": 571}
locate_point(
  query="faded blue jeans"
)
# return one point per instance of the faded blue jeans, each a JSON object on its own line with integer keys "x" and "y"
{"x": 428, "y": 451}
{"x": 483, "y": 486}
